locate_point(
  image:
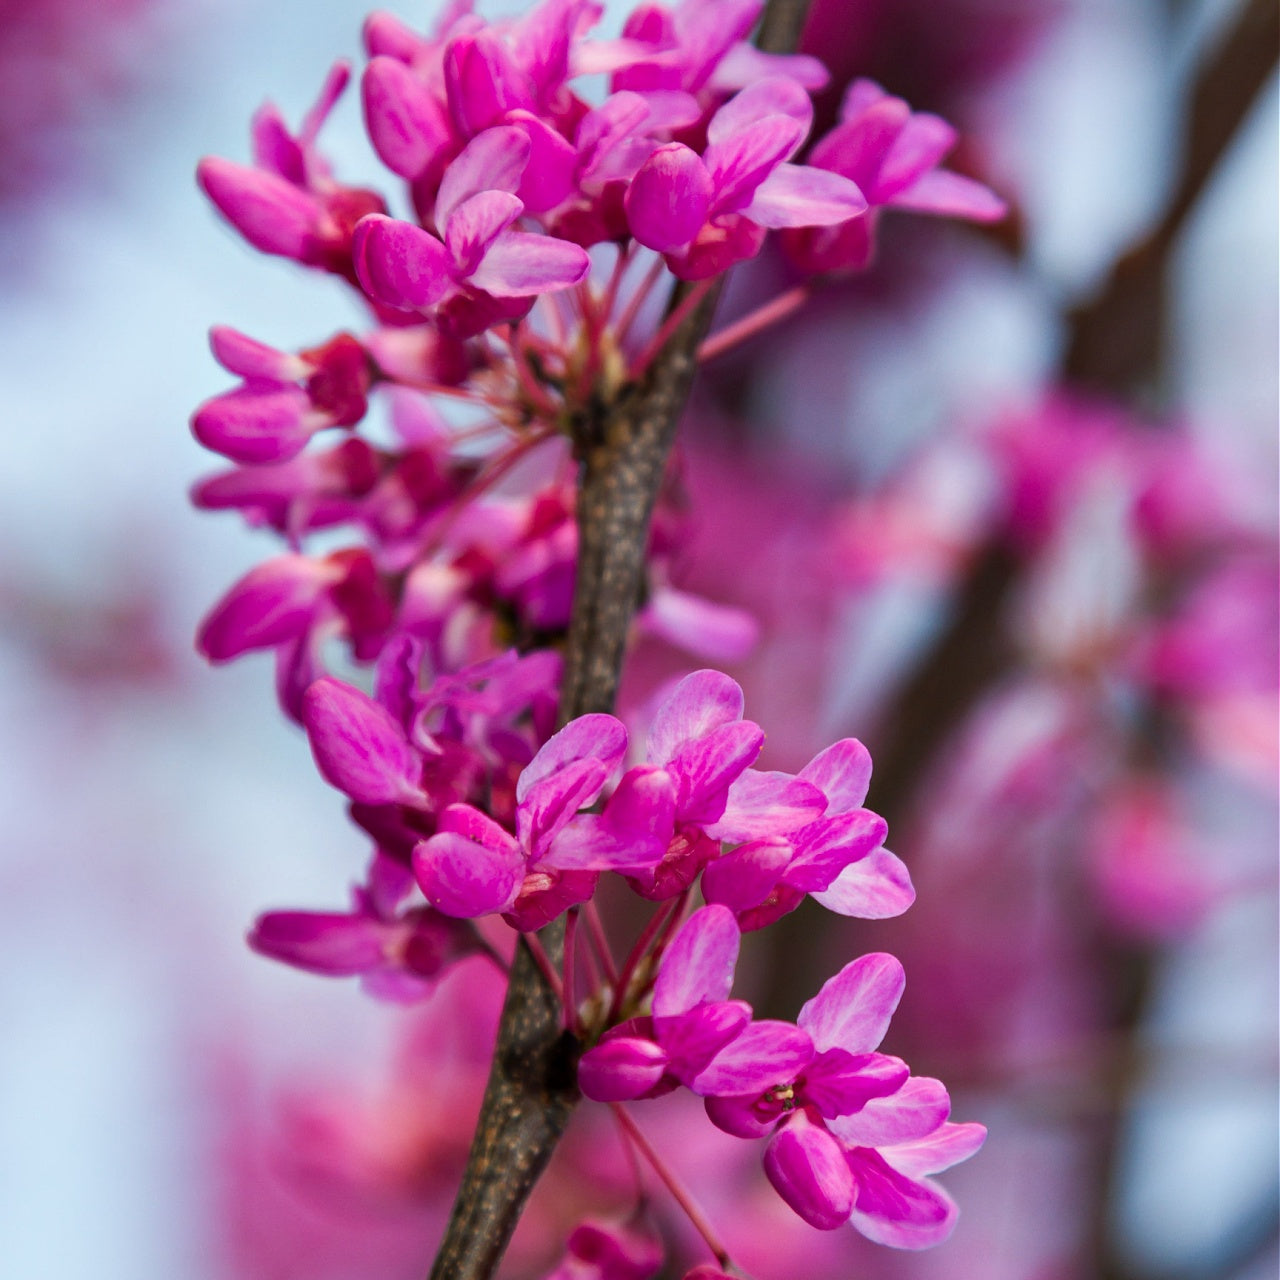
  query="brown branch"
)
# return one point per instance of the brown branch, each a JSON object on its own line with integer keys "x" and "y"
{"x": 622, "y": 448}
{"x": 1116, "y": 346}
{"x": 1118, "y": 337}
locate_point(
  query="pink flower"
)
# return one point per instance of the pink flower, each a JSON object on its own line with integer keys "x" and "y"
{"x": 667, "y": 818}
{"x": 600, "y": 1251}
{"x": 473, "y": 866}
{"x": 405, "y": 266}
{"x": 397, "y": 952}
{"x": 270, "y": 417}
{"x": 707, "y": 212}
{"x": 287, "y": 203}
{"x": 893, "y": 155}
{"x": 840, "y": 859}
{"x": 693, "y": 1022}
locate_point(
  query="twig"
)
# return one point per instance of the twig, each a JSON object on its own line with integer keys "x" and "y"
{"x": 622, "y": 448}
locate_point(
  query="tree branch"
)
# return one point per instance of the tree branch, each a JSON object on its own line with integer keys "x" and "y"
{"x": 622, "y": 448}
{"x": 1116, "y": 347}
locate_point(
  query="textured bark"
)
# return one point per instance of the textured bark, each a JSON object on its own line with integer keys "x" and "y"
{"x": 622, "y": 448}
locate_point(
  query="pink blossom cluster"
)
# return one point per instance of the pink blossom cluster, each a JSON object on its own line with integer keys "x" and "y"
{"x": 515, "y": 301}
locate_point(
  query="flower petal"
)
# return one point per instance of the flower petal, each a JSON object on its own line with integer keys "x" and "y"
{"x": 258, "y": 423}
{"x": 668, "y": 200}
{"x": 494, "y": 160}
{"x": 795, "y": 195}
{"x": 698, "y": 965}
{"x": 706, "y": 768}
{"x": 772, "y": 95}
{"x": 895, "y": 1210}
{"x": 621, "y": 1068}
{"x": 357, "y": 745}
{"x": 919, "y": 147}
{"x": 824, "y": 848}
{"x": 842, "y": 773}
{"x": 740, "y": 163}
{"x": 765, "y": 1054}
{"x": 596, "y": 737}
{"x": 840, "y": 1083}
{"x": 763, "y": 804}
{"x": 520, "y": 264}
{"x": 336, "y": 944}
{"x": 876, "y": 887}
{"x": 476, "y": 223}
{"x": 273, "y": 215}
{"x": 693, "y": 1039}
{"x": 632, "y": 833}
{"x": 808, "y": 1170}
{"x": 951, "y": 195}
{"x": 404, "y": 121}
{"x": 463, "y": 878}
{"x": 702, "y": 701}
{"x": 746, "y": 877}
{"x": 947, "y": 1145}
{"x": 919, "y": 1108}
{"x": 401, "y": 264}
{"x": 853, "y": 1009}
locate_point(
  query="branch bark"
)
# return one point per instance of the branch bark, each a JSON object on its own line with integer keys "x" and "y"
{"x": 622, "y": 448}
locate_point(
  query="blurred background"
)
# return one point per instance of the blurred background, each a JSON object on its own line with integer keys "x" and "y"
{"x": 1006, "y": 515}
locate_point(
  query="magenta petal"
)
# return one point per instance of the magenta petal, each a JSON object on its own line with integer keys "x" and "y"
{"x": 520, "y": 264}
{"x": 272, "y": 603}
{"x": 876, "y": 887}
{"x": 597, "y": 737}
{"x": 464, "y": 820}
{"x": 740, "y": 163}
{"x": 693, "y": 1039}
{"x": 494, "y": 160}
{"x": 919, "y": 147}
{"x": 462, "y": 878}
{"x": 765, "y": 1054}
{"x": 749, "y": 1117}
{"x": 953, "y": 196}
{"x": 895, "y": 1210}
{"x": 746, "y": 877}
{"x": 706, "y": 768}
{"x": 795, "y": 195}
{"x": 401, "y": 264}
{"x": 246, "y": 357}
{"x": 620, "y": 1068}
{"x": 947, "y": 1145}
{"x": 476, "y": 223}
{"x": 632, "y": 833}
{"x": 668, "y": 200}
{"x": 826, "y": 847}
{"x": 404, "y": 121}
{"x": 916, "y": 1110}
{"x": 853, "y": 1009}
{"x": 717, "y": 632}
{"x": 331, "y": 943}
{"x": 549, "y": 176}
{"x": 762, "y": 804}
{"x": 550, "y": 805}
{"x": 839, "y": 1083}
{"x": 842, "y": 773}
{"x": 358, "y": 747}
{"x": 483, "y": 81}
{"x": 257, "y": 423}
{"x": 698, "y": 965}
{"x": 701, "y": 702}
{"x": 808, "y": 1170}
{"x": 773, "y": 95}
{"x": 857, "y": 148}
{"x": 273, "y": 215}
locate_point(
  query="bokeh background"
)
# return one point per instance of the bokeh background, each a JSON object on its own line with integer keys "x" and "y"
{"x": 900, "y": 483}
